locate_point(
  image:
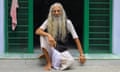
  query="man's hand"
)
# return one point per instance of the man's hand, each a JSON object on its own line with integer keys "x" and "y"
{"x": 51, "y": 41}
{"x": 82, "y": 59}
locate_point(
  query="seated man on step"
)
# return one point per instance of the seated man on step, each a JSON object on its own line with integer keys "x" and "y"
{"x": 58, "y": 26}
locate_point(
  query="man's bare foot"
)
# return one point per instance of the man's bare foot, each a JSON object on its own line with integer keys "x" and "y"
{"x": 48, "y": 67}
{"x": 41, "y": 56}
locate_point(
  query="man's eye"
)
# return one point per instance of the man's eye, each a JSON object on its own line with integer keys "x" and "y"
{"x": 56, "y": 11}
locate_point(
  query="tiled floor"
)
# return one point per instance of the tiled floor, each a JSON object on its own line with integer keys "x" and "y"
{"x": 38, "y": 66}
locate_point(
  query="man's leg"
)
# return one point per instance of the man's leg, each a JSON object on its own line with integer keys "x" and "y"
{"x": 56, "y": 59}
{"x": 48, "y": 59}
{"x": 46, "y": 51}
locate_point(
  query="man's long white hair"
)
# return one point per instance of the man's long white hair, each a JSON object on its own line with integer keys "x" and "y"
{"x": 52, "y": 23}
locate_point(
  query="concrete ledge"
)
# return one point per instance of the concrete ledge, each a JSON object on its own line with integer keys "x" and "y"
{"x": 36, "y": 55}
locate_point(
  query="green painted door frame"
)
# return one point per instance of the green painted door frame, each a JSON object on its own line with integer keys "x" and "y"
{"x": 30, "y": 44}
{"x": 20, "y": 40}
{"x": 97, "y": 26}
{"x": 86, "y": 24}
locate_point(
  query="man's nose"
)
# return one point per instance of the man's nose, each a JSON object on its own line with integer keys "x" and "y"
{"x": 56, "y": 12}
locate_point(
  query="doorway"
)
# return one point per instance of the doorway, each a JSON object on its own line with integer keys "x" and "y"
{"x": 74, "y": 11}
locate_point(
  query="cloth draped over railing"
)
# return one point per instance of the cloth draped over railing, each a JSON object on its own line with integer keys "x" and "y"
{"x": 13, "y": 13}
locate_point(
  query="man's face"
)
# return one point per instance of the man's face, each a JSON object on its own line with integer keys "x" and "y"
{"x": 56, "y": 11}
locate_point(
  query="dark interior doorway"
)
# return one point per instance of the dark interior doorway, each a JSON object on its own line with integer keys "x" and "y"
{"x": 74, "y": 11}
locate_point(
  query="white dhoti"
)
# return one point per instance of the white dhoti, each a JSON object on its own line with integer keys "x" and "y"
{"x": 45, "y": 44}
{"x": 60, "y": 60}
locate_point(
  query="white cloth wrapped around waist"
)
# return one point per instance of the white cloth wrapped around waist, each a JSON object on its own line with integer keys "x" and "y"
{"x": 62, "y": 60}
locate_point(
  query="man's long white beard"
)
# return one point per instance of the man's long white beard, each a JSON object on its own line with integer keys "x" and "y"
{"x": 59, "y": 29}
{"x": 57, "y": 22}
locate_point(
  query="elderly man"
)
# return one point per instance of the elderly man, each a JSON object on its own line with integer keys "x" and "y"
{"x": 58, "y": 27}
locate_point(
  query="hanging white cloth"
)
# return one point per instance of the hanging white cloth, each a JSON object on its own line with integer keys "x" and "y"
{"x": 13, "y": 13}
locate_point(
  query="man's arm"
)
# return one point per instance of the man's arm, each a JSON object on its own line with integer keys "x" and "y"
{"x": 51, "y": 40}
{"x": 82, "y": 58}
{"x": 40, "y": 31}
{"x": 77, "y": 41}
